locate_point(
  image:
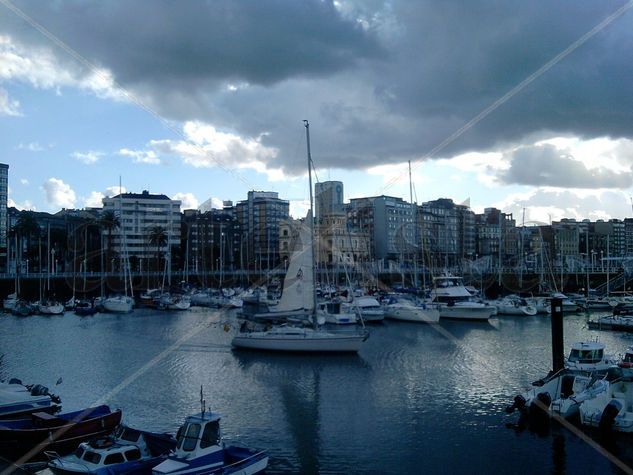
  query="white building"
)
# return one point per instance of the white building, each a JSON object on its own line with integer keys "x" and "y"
{"x": 138, "y": 213}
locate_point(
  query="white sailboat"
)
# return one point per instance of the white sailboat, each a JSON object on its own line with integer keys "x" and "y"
{"x": 299, "y": 298}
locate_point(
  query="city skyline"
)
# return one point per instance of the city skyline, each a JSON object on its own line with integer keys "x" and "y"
{"x": 506, "y": 116}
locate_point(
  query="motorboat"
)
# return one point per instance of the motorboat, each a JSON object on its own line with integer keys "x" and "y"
{"x": 586, "y": 374}
{"x": 333, "y": 312}
{"x": 126, "y": 451}
{"x": 118, "y": 304}
{"x": 18, "y": 400}
{"x": 569, "y": 306}
{"x": 514, "y": 305}
{"x": 611, "y": 410}
{"x": 626, "y": 362}
{"x": 200, "y": 450}
{"x": 405, "y": 307}
{"x": 22, "y": 308}
{"x": 456, "y": 302}
{"x": 369, "y": 308}
{"x": 612, "y": 322}
{"x": 61, "y": 433}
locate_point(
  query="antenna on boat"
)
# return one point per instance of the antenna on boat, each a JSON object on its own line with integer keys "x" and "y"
{"x": 202, "y": 402}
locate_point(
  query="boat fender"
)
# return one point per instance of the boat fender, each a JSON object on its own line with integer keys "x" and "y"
{"x": 540, "y": 404}
{"x": 609, "y": 414}
{"x": 39, "y": 390}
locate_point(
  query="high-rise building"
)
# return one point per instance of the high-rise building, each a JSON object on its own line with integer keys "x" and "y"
{"x": 138, "y": 213}
{"x": 4, "y": 195}
{"x": 388, "y": 221}
{"x": 259, "y": 217}
{"x": 328, "y": 198}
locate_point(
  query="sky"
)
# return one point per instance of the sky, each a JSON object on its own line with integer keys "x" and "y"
{"x": 524, "y": 106}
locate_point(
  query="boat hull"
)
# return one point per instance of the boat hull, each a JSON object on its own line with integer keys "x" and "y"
{"x": 458, "y": 312}
{"x": 300, "y": 342}
{"x": 413, "y": 314}
{"x": 61, "y": 434}
{"x": 118, "y": 305}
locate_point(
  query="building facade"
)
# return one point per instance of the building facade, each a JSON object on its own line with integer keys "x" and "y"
{"x": 259, "y": 217}
{"x": 138, "y": 214}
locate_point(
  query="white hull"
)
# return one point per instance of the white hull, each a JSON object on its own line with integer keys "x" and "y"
{"x": 463, "y": 312}
{"x": 56, "y": 309}
{"x": 299, "y": 339}
{"x": 621, "y": 392}
{"x": 522, "y": 310}
{"x": 118, "y": 304}
{"x": 412, "y": 314}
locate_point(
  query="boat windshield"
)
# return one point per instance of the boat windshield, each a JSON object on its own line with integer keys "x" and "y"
{"x": 92, "y": 457}
{"x": 79, "y": 452}
{"x": 210, "y": 435}
{"x": 188, "y": 437}
{"x": 585, "y": 356}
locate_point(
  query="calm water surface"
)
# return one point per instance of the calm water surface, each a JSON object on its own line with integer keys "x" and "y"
{"x": 415, "y": 399}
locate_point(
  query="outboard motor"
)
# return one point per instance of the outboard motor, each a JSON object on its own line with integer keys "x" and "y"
{"x": 519, "y": 404}
{"x": 609, "y": 414}
{"x": 539, "y": 410}
{"x": 39, "y": 390}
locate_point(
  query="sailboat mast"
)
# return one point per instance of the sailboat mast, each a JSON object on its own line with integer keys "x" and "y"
{"x": 415, "y": 230}
{"x": 311, "y": 215}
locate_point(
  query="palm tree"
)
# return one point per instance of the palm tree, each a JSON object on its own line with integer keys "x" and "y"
{"x": 109, "y": 221}
{"x": 157, "y": 237}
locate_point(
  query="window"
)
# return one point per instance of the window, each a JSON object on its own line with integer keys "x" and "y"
{"x": 211, "y": 435}
{"x": 133, "y": 454}
{"x": 130, "y": 435}
{"x": 114, "y": 458}
{"x": 79, "y": 452}
{"x": 92, "y": 457}
{"x": 191, "y": 437}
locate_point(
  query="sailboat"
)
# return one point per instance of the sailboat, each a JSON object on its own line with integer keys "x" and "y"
{"x": 299, "y": 299}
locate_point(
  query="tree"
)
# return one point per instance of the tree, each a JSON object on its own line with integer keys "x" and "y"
{"x": 157, "y": 237}
{"x": 109, "y": 221}
{"x": 26, "y": 227}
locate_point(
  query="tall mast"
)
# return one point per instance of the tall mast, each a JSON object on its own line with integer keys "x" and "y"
{"x": 311, "y": 215}
{"x": 414, "y": 207}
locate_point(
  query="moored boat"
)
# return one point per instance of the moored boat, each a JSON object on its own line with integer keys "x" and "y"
{"x": 61, "y": 433}
{"x": 18, "y": 400}
{"x": 200, "y": 450}
{"x": 127, "y": 451}
{"x": 405, "y": 308}
{"x": 118, "y": 304}
{"x": 456, "y": 302}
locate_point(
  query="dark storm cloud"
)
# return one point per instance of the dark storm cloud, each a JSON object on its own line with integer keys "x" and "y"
{"x": 391, "y": 90}
{"x": 175, "y": 45}
{"x": 544, "y": 165}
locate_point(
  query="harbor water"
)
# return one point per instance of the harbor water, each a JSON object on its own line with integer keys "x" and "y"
{"x": 416, "y": 399}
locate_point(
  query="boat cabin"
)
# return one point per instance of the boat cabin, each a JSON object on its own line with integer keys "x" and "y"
{"x": 449, "y": 289}
{"x": 198, "y": 444}
{"x": 588, "y": 356}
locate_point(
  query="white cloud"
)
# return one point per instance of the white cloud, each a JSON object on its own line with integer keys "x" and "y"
{"x": 141, "y": 156}
{"x": 299, "y": 208}
{"x": 115, "y": 190}
{"x": 58, "y": 193}
{"x": 24, "y": 181}
{"x": 40, "y": 68}
{"x": 25, "y": 205}
{"x": 9, "y": 106}
{"x": 94, "y": 200}
{"x": 88, "y": 157}
{"x": 189, "y": 201}
{"x": 207, "y": 147}
{"x": 30, "y": 147}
